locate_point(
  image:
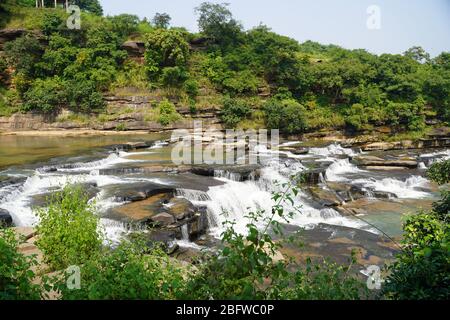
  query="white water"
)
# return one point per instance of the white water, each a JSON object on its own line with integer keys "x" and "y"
{"x": 17, "y": 200}
{"x": 403, "y": 189}
{"x": 233, "y": 200}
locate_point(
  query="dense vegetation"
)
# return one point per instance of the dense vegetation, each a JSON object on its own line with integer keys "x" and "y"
{"x": 422, "y": 269}
{"x": 252, "y": 74}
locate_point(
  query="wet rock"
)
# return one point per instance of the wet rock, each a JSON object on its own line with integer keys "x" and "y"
{"x": 237, "y": 172}
{"x": 180, "y": 208}
{"x": 385, "y": 168}
{"x": 138, "y": 191}
{"x": 300, "y": 151}
{"x": 163, "y": 219}
{"x": 378, "y": 146}
{"x": 142, "y": 211}
{"x": 326, "y": 198}
{"x": 5, "y": 218}
{"x": 197, "y": 225}
{"x": 384, "y": 195}
{"x": 314, "y": 176}
{"x": 371, "y": 161}
{"x": 164, "y": 236}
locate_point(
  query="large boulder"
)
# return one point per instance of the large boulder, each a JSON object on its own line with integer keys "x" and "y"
{"x": 163, "y": 219}
{"x": 5, "y": 218}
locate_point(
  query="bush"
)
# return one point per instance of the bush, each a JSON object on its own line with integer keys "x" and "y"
{"x": 51, "y": 23}
{"x": 129, "y": 272}
{"x": 286, "y": 115}
{"x": 357, "y": 116}
{"x": 173, "y": 76}
{"x": 439, "y": 172}
{"x": 422, "y": 269}
{"x": 45, "y": 95}
{"x": 167, "y": 113}
{"x": 84, "y": 97}
{"x": 68, "y": 230}
{"x": 15, "y": 274}
{"x": 191, "y": 88}
{"x": 234, "y": 111}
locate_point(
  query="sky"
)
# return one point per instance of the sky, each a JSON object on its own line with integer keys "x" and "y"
{"x": 379, "y": 26}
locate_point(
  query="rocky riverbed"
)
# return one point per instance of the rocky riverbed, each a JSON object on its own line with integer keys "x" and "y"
{"x": 348, "y": 199}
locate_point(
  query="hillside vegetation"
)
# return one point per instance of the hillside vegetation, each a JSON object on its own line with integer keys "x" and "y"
{"x": 256, "y": 77}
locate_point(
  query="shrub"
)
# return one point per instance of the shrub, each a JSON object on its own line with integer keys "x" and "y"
{"x": 15, "y": 274}
{"x": 45, "y": 95}
{"x": 130, "y": 271}
{"x": 357, "y": 116}
{"x": 440, "y": 172}
{"x": 68, "y": 229}
{"x": 167, "y": 113}
{"x": 173, "y": 76}
{"x": 51, "y": 23}
{"x": 84, "y": 96}
{"x": 191, "y": 88}
{"x": 234, "y": 111}
{"x": 422, "y": 269}
{"x": 286, "y": 115}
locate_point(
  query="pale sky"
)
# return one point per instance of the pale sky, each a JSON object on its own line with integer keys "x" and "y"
{"x": 403, "y": 23}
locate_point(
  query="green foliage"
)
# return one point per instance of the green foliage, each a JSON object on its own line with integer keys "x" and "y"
{"x": 23, "y": 54}
{"x": 15, "y": 274}
{"x": 191, "y": 87}
{"x": 84, "y": 97}
{"x": 407, "y": 115}
{"x": 439, "y": 172}
{"x": 234, "y": 111}
{"x": 69, "y": 229}
{"x": 287, "y": 115}
{"x": 92, "y": 6}
{"x": 167, "y": 113}
{"x": 124, "y": 24}
{"x": 131, "y": 271}
{"x": 51, "y": 23}
{"x": 173, "y": 76}
{"x": 165, "y": 49}
{"x": 421, "y": 270}
{"x": 216, "y": 22}
{"x": 161, "y": 20}
{"x": 45, "y": 95}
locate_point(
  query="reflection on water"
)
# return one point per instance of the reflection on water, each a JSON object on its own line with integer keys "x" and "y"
{"x": 17, "y": 150}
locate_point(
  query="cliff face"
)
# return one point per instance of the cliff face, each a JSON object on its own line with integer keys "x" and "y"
{"x": 134, "y": 118}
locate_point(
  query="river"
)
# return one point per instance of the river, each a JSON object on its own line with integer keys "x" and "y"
{"x": 31, "y": 168}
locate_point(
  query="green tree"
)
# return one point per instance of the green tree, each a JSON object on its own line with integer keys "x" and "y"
{"x": 23, "y": 54}
{"x": 92, "y": 6}
{"x": 165, "y": 49}
{"x": 124, "y": 24}
{"x": 161, "y": 20}
{"x": 167, "y": 113}
{"x": 217, "y": 23}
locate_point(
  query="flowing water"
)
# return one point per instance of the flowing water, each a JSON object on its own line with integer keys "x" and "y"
{"x": 32, "y": 167}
